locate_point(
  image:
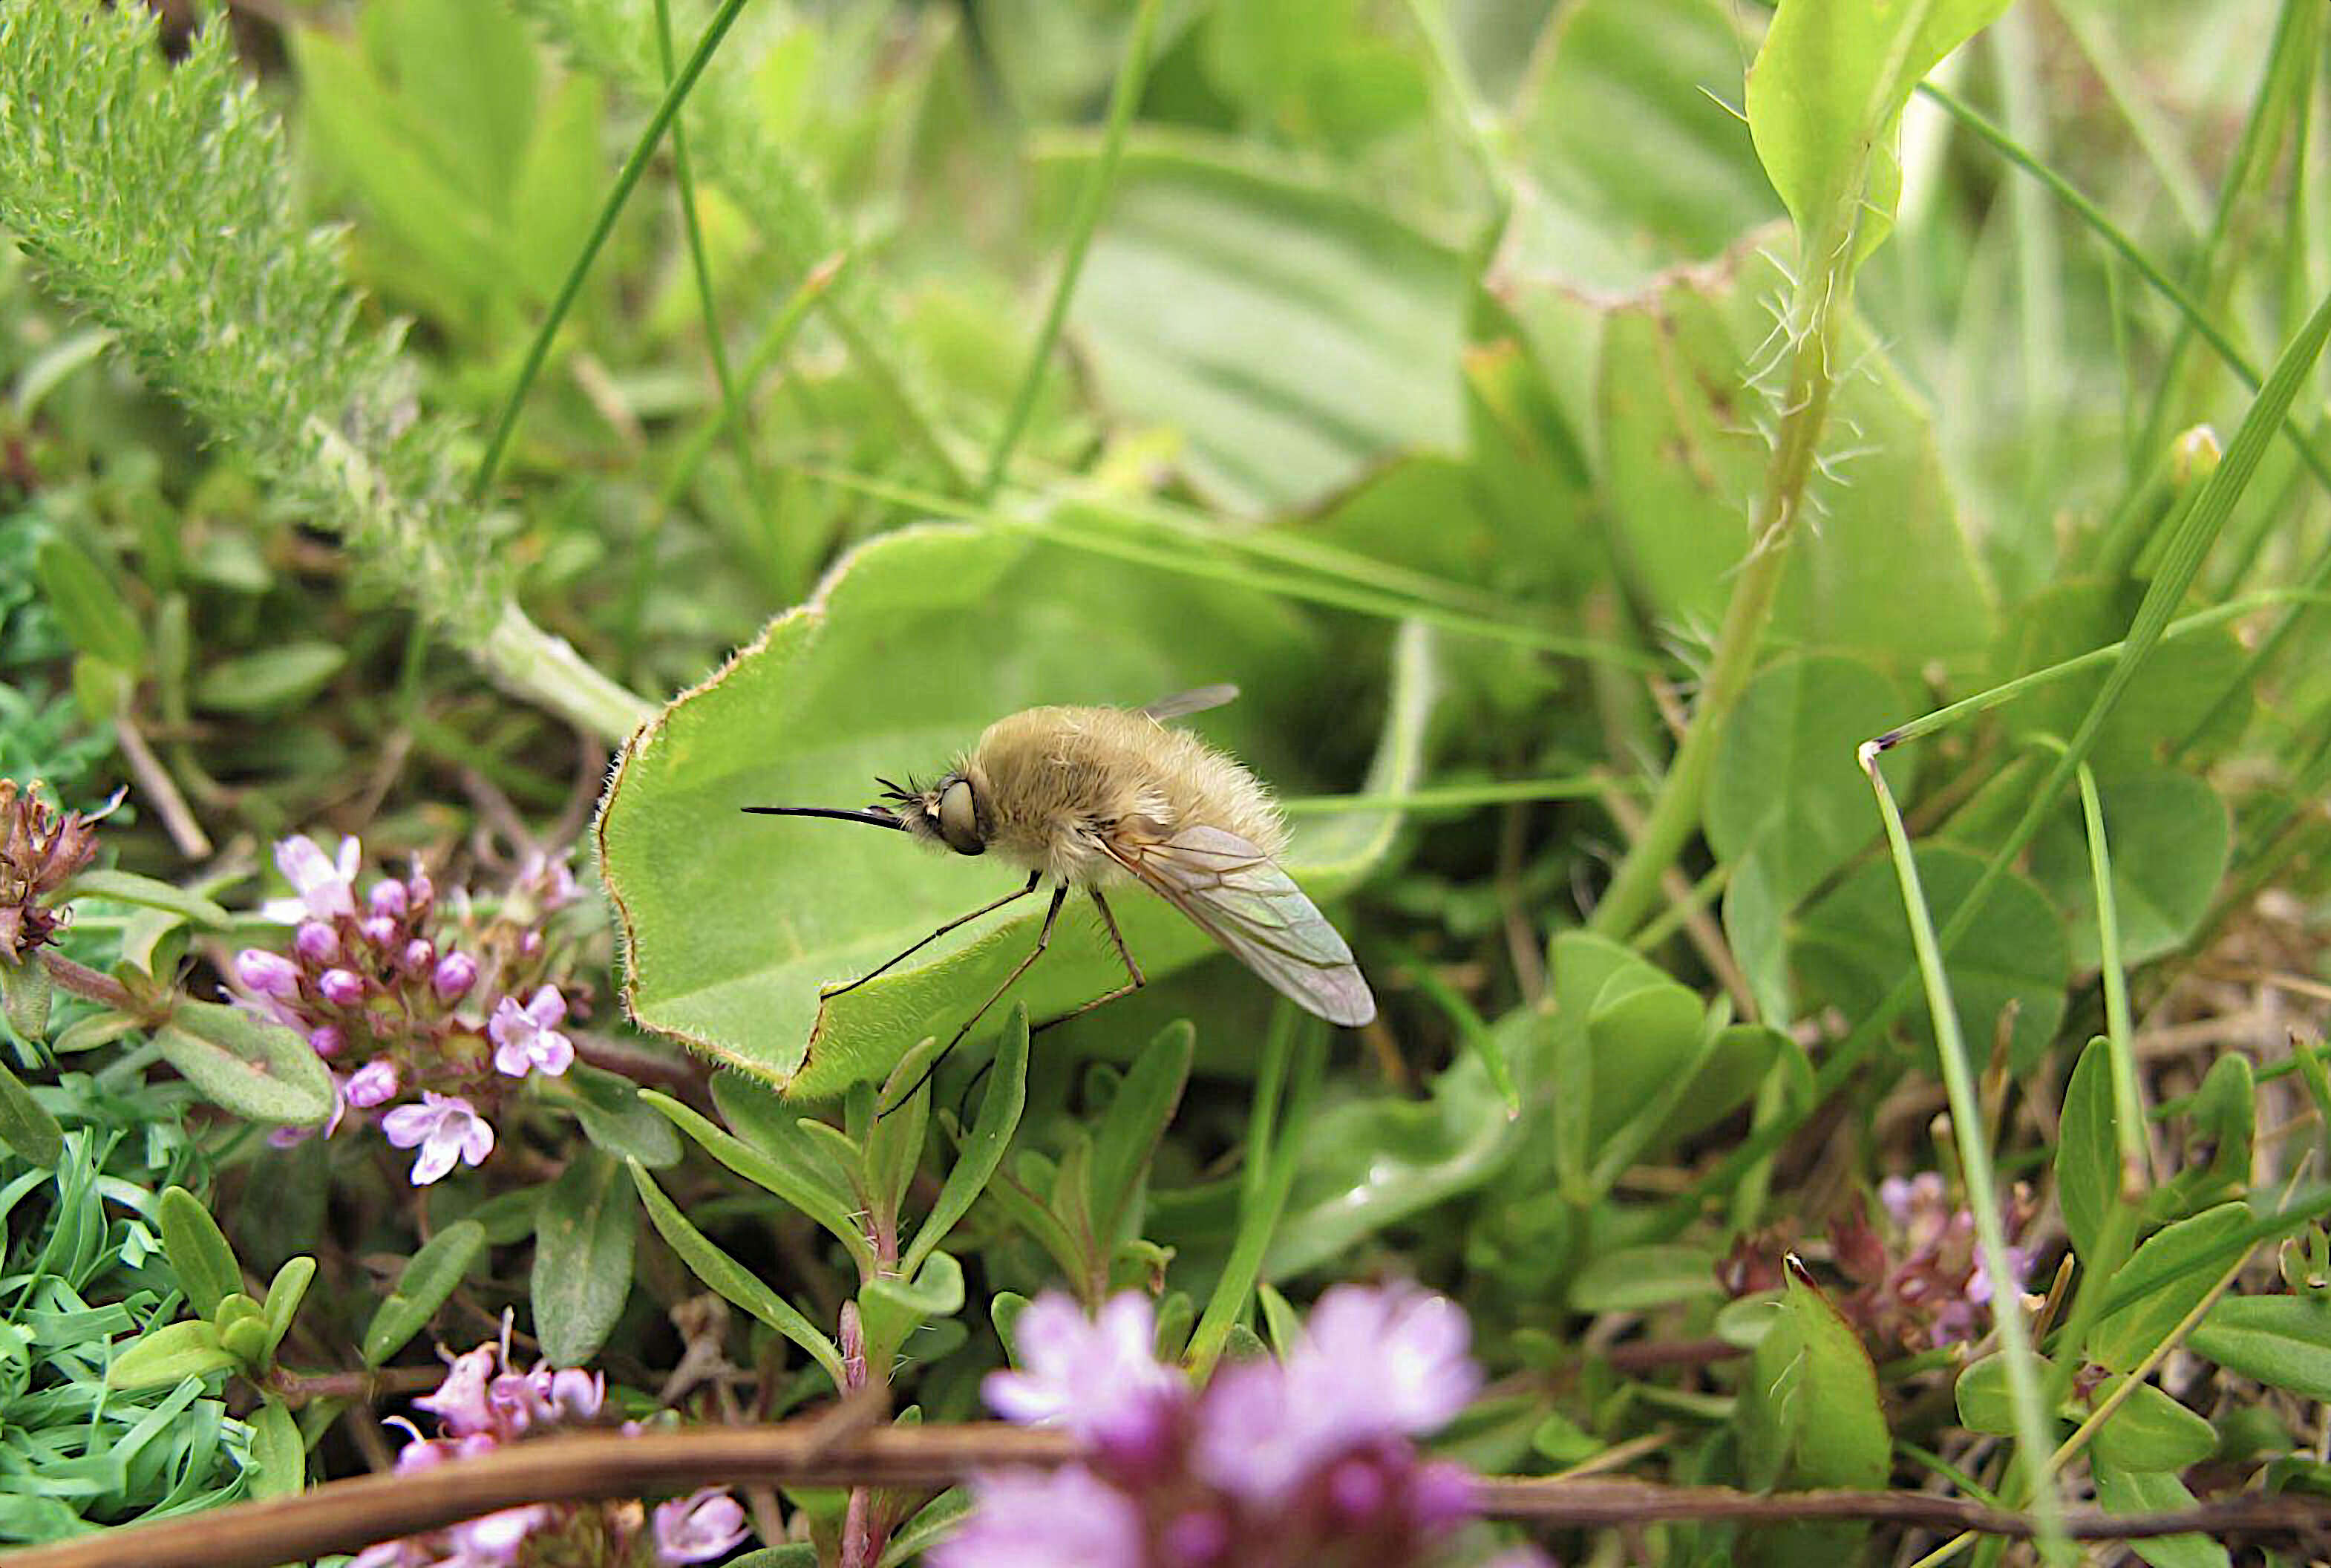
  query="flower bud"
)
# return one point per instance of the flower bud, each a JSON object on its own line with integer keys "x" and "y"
{"x": 456, "y": 972}
{"x": 268, "y": 974}
{"x": 377, "y": 929}
{"x": 316, "y": 942}
{"x": 387, "y": 898}
{"x": 341, "y": 987}
{"x": 375, "y": 1083}
{"x": 419, "y": 954}
{"x": 327, "y": 1039}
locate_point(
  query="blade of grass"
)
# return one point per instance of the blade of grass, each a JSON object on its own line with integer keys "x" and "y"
{"x": 1463, "y": 797}
{"x": 1123, "y": 98}
{"x": 1968, "y": 1126}
{"x": 1259, "y": 1208}
{"x": 2154, "y": 136}
{"x": 1477, "y": 1035}
{"x": 2128, "y": 1096}
{"x": 626, "y": 179}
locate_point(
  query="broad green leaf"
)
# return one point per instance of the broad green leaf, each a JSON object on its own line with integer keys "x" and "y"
{"x": 1825, "y": 96}
{"x": 983, "y": 1146}
{"x": 198, "y": 1250}
{"x": 284, "y": 1294}
{"x": 793, "y": 1179}
{"x": 1786, "y": 787}
{"x": 1808, "y": 1416}
{"x": 129, "y": 887}
{"x": 2220, "y": 1130}
{"x": 1683, "y": 458}
{"x": 169, "y": 1354}
{"x": 1138, "y": 1118}
{"x": 895, "y": 1140}
{"x": 732, "y": 1280}
{"x": 614, "y": 1120}
{"x": 2184, "y": 679}
{"x": 89, "y": 610}
{"x": 1734, "y": 1067}
{"x": 583, "y": 1240}
{"x": 1637, "y": 1279}
{"x": 1292, "y": 335}
{"x": 1319, "y": 68}
{"x": 1647, "y": 1039}
{"x": 251, "y": 1067}
{"x": 734, "y": 922}
{"x": 25, "y": 1125}
{"x": 267, "y": 681}
{"x": 1851, "y": 947}
{"x": 25, "y": 993}
{"x": 2123, "y": 1491}
{"x": 2088, "y": 1148}
{"x": 1603, "y": 211}
{"x": 429, "y": 1277}
{"x": 2151, "y": 1432}
{"x": 2184, "y": 1255}
{"x": 1985, "y": 1402}
{"x": 2282, "y": 1340}
{"x": 278, "y": 1458}
{"x": 2171, "y": 838}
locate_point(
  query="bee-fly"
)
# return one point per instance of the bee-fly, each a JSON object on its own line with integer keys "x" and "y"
{"x": 1084, "y": 797}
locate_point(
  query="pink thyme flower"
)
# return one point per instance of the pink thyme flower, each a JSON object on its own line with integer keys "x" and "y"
{"x": 527, "y": 1039}
{"x": 1415, "y": 1346}
{"x": 373, "y": 1084}
{"x": 454, "y": 974}
{"x": 325, "y": 888}
{"x": 1069, "y": 1518}
{"x": 445, "y": 1127}
{"x": 267, "y": 974}
{"x": 701, "y": 1527}
{"x": 1099, "y": 1378}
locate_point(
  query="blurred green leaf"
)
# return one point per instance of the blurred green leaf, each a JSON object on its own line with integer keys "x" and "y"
{"x": 2088, "y": 1148}
{"x": 2123, "y": 1338}
{"x": 1786, "y": 788}
{"x": 1637, "y": 1278}
{"x": 983, "y": 1146}
{"x": 733, "y": 1280}
{"x": 1137, "y": 1122}
{"x": 1291, "y": 334}
{"x": 251, "y": 1067}
{"x": 1984, "y": 1401}
{"x": 790, "y": 1170}
{"x": 129, "y": 887}
{"x": 2151, "y": 1432}
{"x": 1808, "y": 1416}
{"x": 2185, "y": 677}
{"x": 26, "y": 994}
{"x": 170, "y": 1355}
{"x": 285, "y": 1292}
{"x": 2283, "y": 1341}
{"x": 2123, "y": 1491}
{"x": 614, "y": 1120}
{"x": 89, "y": 608}
{"x": 270, "y": 680}
{"x": 2171, "y": 838}
{"x": 430, "y": 1276}
{"x": 583, "y": 1240}
{"x": 1853, "y": 944}
{"x": 278, "y": 1456}
{"x": 25, "y": 1125}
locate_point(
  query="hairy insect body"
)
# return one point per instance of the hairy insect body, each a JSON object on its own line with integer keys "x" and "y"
{"x": 1061, "y": 782}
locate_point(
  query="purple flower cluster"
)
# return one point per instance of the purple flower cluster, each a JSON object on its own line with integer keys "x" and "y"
{"x": 485, "y": 1402}
{"x": 1918, "y": 1277}
{"x": 406, "y": 994}
{"x": 1310, "y": 1460}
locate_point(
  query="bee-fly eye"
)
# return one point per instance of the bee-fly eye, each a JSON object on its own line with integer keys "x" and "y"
{"x": 959, "y": 818}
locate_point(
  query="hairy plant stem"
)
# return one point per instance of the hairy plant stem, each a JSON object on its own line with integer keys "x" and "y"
{"x": 1822, "y": 297}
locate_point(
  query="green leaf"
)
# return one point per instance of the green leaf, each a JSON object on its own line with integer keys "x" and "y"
{"x": 198, "y": 1251}
{"x": 24, "y": 994}
{"x": 983, "y": 1147}
{"x": 1292, "y": 337}
{"x": 2171, "y": 838}
{"x": 284, "y": 1294}
{"x": 2122, "y": 1491}
{"x": 1637, "y": 1279}
{"x": 1985, "y": 1402}
{"x": 2088, "y": 1149}
{"x": 732, "y": 1280}
{"x": 1682, "y": 448}
{"x": 1136, "y": 1123}
{"x": 429, "y": 1277}
{"x": 894, "y": 1143}
{"x": 253, "y": 1067}
{"x": 2185, "y": 678}
{"x": 2282, "y": 1340}
{"x": 1825, "y": 94}
{"x": 583, "y": 1239}
{"x": 25, "y": 1125}
{"x": 89, "y": 610}
{"x": 278, "y": 1458}
{"x": 734, "y": 922}
{"x": 891, "y": 1307}
{"x": 1852, "y": 945}
{"x": 614, "y": 1119}
{"x": 169, "y": 1354}
{"x": 1607, "y": 212}
{"x": 129, "y": 887}
{"x": 1808, "y": 1414}
{"x": 270, "y": 680}
{"x": 1785, "y": 787}
{"x": 1647, "y": 1039}
{"x": 2151, "y": 1432}
{"x": 790, "y": 1175}
{"x": 2181, "y": 1256}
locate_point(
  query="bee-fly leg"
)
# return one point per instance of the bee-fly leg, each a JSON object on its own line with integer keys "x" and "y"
{"x": 1033, "y": 878}
{"x": 1135, "y": 979}
{"x": 1043, "y": 940}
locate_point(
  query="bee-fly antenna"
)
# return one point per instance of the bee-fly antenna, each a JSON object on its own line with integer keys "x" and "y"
{"x": 874, "y": 816}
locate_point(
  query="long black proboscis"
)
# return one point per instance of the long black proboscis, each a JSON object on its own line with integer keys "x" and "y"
{"x": 873, "y": 815}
